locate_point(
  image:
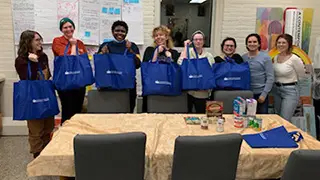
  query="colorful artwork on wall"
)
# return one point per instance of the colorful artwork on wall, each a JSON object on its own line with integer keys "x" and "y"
{"x": 306, "y": 28}
{"x": 269, "y": 23}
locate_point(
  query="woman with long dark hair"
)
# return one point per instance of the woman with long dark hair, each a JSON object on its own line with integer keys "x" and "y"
{"x": 30, "y": 51}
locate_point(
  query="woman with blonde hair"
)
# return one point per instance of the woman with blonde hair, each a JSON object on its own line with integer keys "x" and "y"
{"x": 162, "y": 40}
{"x": 164, "y": 53}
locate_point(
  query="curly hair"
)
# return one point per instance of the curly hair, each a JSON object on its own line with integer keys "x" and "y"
{"x": 228, "y": 39}
{"x": 120, "y": 23}
{"x": 165, "y": 30}
{"x": 25, "y": 43}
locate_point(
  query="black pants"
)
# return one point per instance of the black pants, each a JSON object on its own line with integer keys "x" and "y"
{"x": 71, "y": 102}
{"x": 199, "y": 104}
{"x": 144, "y": 104}
{"x": 316, "y": 104}
{"x": 133, "y": 97}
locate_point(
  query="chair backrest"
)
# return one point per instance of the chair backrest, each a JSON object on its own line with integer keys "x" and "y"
{"x": 302, "y": 164}
{"x": 167, "y": 104}
{"x": 108, "y": 101}
{"x": 110, "y": 156}
{"x": 206, "y": 157}
{"x": 227, "y": 98}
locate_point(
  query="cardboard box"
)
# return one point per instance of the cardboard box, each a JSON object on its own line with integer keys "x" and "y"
{"x": 214, "y": 108}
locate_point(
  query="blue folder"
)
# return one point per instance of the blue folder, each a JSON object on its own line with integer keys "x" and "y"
{"x": 274, "y": 138}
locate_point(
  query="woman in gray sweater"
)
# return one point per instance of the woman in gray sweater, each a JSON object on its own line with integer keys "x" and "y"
{"x": 261, "y": 69}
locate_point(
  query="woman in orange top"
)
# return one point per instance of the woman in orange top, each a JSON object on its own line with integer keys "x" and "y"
{"x": 71, "y": 100}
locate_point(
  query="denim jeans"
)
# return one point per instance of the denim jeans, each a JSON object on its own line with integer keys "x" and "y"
{"x": 262, "y": 108}
{"x": 286, "y": 99}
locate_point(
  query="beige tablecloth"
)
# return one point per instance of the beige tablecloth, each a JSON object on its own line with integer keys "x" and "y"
{"x": 162, "y": 129}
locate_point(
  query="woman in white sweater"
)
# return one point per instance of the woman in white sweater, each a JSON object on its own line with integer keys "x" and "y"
{"x": 288, "y": 69}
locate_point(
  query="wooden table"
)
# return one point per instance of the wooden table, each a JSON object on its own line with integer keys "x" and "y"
{"x": 162, "y": 129}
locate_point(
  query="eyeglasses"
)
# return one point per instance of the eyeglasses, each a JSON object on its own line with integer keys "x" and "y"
{"x": 200, "y": 39}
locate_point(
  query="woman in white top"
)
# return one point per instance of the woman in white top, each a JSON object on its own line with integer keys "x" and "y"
{"x": 288, "y": 69}
{"x": 197, "y": 98}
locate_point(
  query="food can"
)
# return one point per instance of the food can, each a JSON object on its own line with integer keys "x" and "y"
{"x": 204, "y": 123}
{"x": 258, "y": 124}
{"x": 220, "y": 125}
{"x": 238, "y": 122}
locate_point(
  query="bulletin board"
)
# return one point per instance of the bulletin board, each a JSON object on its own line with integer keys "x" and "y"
{"x": 92, "y": 18}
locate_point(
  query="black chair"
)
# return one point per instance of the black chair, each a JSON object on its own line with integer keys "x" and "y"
{"x": 206, "y": 157}
{"x": 110, "y": 156}
{"x": 108, "y": 101}
{"x": 227, "y": 98}
{"x": 302, "y": 165}
{"x": 167, "y": 104}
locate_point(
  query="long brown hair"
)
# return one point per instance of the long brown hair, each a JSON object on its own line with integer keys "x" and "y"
{"x": 289, "y": 40}
{"x": 165, "y": 30}
{"x": 25, "y": 43}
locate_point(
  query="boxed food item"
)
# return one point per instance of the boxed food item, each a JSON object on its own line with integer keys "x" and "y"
{"x": 251, "y": 107}
{"x": 242, "y": 105}
{"x": 192, "y": 120}
{"x": 239, "y": 106}
{"x": 214, "y": 109}
{"x": 236, "y": 107}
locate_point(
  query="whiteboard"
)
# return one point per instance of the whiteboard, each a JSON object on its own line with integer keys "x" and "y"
{"x": 92, "y": 18}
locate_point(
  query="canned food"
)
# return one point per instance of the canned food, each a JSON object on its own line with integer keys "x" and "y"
{"x": 220, "y": 125}
{"x": 258, "y": 124}
{"x": 238, "y": 122}
{"x": 204, "y": 123}
{"x": 251, "y": 122}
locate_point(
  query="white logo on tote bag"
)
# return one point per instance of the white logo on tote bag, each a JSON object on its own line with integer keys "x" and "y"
{"x": 40, "y": 100}
{"x": 71, "y": 72}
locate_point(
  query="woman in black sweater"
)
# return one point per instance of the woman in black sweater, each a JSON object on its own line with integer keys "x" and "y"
{"x": 228, "y": 49}
{"x": 163, "y": 41}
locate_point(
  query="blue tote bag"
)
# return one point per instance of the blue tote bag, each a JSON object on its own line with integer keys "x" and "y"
{"x": 115, "y": 71}
{"x": 34, "y": 99}
{"x": 161, "y": 78}
{"x": 230, "y": 75}
{"x": 274, "y": 138}
{"x": 197, "y": 73}
{"x": 72, "y": 71}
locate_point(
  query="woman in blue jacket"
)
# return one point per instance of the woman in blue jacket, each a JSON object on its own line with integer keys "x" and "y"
{"x": 118, "y": 46}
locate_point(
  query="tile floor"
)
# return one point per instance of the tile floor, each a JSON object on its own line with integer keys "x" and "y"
{"x": 14, "y": 157}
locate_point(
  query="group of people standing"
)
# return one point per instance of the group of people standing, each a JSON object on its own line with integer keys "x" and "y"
{"x": 281, "y": 76}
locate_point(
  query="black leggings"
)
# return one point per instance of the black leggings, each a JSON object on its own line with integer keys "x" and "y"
{"x": 133, "y": 97}
{"x": 71, "y": 102}
{"x": 198, "y": 103}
